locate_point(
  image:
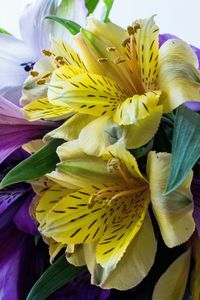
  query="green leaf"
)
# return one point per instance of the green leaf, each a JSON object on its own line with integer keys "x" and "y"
{"x": 56, "y": 276}
{"x": 185, "y": 147}
{"x": 4, "y": 31}
{"x": 91, "y": 5}
{"x": 109, "y": 4}
{"x": 35, "y": 166}
{"x": 71, "y": 26}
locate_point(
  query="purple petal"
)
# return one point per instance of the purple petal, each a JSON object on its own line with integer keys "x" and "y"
{"x": 193, "y": 105}
{"x": 195, "y": 188}
{"x": 9, "y": 196}
{"x": 23, "y": 220}
{"x": 35, "y": 30}
{"x": 81, "y": 288}
{"x": 165, "y": 37}
{"x": 13, "y": 53}
{"x": 16, "y": 263}
{"x": 15, "y": 130}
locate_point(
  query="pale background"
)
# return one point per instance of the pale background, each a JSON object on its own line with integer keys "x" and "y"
{"x": 179, "y": 17}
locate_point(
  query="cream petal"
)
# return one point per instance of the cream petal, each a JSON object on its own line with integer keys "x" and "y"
{"x": 174, "y": 211}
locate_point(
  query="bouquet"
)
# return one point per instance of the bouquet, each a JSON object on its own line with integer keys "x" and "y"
{"x": 99, "y": 152}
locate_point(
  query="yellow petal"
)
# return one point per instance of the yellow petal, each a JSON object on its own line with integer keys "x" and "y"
{"x": 54, "y": 249}
{"x": 126, "y": 222}
{"x": 178, "y": 75}
{"x": 60, "y": 48}
{"x": 139, "y": 134}
{"x": 142, "y": 51}
{"x": 73, "y": 221}
{"x": 113, "y": 62}
{"x": 88, "y": 93}
{"x": 172, "y": 283}
{"x": 82, "y": 170}
{"x": 71, "y": 128}
{"x": 136, "y": 108}
{"x": 76, "y": 258}
{"x": 118, "y": 151}
{"x": 98, "y": 135}
{"x": 47, "y": 201}
{"x": 70, "y": 150}
{"x": 195, "y": 279}
{"x": 173, "y": 212}
{"x": 135, "y": 263}
{"x": 43, "y": 109}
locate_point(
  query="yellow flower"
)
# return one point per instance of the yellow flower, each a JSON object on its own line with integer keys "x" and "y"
{"x": 120, "y": 79}
{"x": 107, "y": 212}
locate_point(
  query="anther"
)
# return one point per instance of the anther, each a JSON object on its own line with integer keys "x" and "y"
{"x": 41, "y": 81}
{"x": 46, "y": 52}
{"x": 110, "y": 49}
{"x": 125, "y": 42}
{"x": 119, "y": 60}
{"x": 34, "y": 73}
{"x": 102, "y": 60}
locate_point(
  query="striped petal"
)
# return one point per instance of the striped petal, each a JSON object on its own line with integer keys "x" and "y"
{"x": 133, "y": 266}
{"x": 173, "y": 212}
{"x": 87, "y": 93}
{"x": 139, "y": 134}
{"x": 178, "y": 75}
{"x": 136, "y": 108}
{"x": 43, "y": 109}
{"x": 47, "y": 201}
{"x": 61, "y": 49}
{"x": 73, "y": 221}
{"x": 172, "y": 283}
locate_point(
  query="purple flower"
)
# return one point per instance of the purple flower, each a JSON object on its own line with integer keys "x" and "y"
{"x": 15, "y": 130}
{"x": 17, "y": 57}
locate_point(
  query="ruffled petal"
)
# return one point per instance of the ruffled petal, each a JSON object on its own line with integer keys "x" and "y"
{"x": 179, "y": 78}
{"x": 173, "y": 212}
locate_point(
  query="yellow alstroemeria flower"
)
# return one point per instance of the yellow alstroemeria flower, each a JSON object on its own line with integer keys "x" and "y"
{"x": 121, "y": 77}
{"x": 108, "y": 213}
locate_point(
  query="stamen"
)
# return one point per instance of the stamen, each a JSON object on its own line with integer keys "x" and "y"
{"x": 46, "y": 52}
{"x": 110, "y": 49}
{"x": 41, "y": 81}
{"x": 34, "y": 73}
{"x": 102, "y": 193}
{"x": 102, "y": 60}
{"x": 119, "y": 60}
{"x": 125, "y": 42}
{"x": 47, "y": 75}
{"x": 126, "y": 193}
{"x": 59, "y": 61}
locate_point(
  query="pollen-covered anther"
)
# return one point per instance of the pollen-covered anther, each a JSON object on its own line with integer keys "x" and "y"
{"x": 47, "y": 76}
{"x": 41, "y": 81}
{"x": 47, "y": 52}
{"x": 102, "y": 60}
{"x": 125, "y": 42}
{"x": 34, "y": 73}
{"x": 119, "y": 60}
{"x": 59, "y": 61}
{"x": 110, "y": 49}
{"x": 133, "y": 29}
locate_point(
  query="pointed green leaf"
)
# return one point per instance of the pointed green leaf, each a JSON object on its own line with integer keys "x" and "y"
{"x": 91, "y": 5}
{"x": 56, "y": 276}
{"x": 185, "y": 146}
{"x": 35, "y": 166}
{"x": 109, "y": 4}
{"x": 71, "y": 26}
